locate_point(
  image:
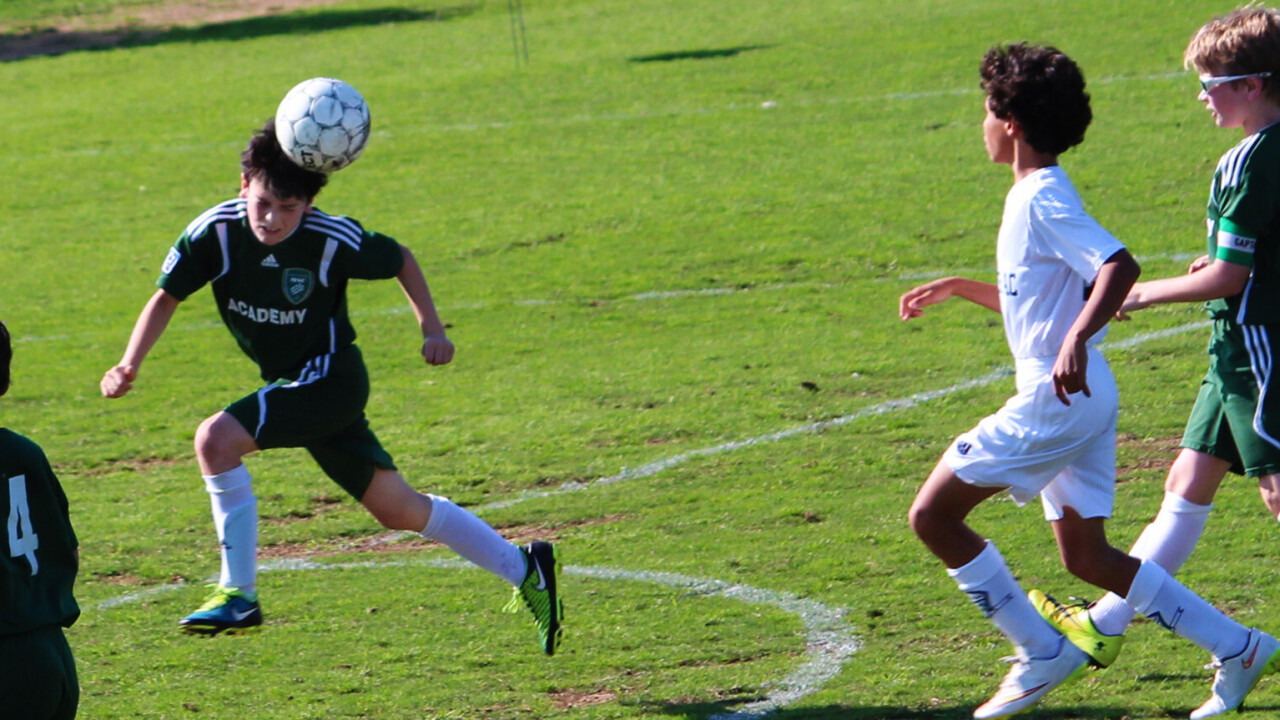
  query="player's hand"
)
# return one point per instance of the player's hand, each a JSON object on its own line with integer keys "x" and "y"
{"x": 913, "y": 302}
{"x": 437, "y": 350}
{"x": 1070, "y": 371}
{"x": 1132, "y": 302}
{"x": 1198, "y": 264}
{"x": 118, "y": 380}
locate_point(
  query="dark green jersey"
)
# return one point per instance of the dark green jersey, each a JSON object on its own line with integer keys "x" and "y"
{"x": 285, "y": 303}
{"x": 1244, "y": 226}
{"x": 38, "y": 567}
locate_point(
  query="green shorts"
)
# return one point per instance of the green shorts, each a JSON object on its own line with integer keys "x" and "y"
{"x": 1226, "y": 418}
{"x": 38, "y": 676}
{"x": 322, "y": 410}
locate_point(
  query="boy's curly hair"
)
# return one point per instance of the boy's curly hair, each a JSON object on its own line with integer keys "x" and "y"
{"x": 265, "y": 160}
{"x": 1040, "y": 88}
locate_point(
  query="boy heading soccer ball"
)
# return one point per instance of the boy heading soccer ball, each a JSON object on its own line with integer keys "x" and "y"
{"x": 278, "y": 268}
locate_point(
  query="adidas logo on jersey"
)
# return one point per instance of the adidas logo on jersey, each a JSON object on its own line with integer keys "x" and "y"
{"x": 270, "y": 261}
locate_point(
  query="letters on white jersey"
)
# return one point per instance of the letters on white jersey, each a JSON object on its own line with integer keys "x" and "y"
{"x": 1048, "y": 253}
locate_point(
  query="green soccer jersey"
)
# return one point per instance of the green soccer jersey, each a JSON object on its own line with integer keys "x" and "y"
{"x": 38, "y": 568}
{"x": 286, "y": 304}
{"x": 1244, "y": 226}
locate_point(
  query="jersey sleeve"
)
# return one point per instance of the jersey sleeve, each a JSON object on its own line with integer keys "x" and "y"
{"x": 191, "y": 262}
{"x": 1246, "y": 209}
{"x": 1073, "y": 236}
{"x": 377, "y": 257}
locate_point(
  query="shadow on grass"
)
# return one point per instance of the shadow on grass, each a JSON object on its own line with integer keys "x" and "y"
{"x": 726, "y": 710}
{"x": 697, "y": 54}
{"x": 20, "y": 46}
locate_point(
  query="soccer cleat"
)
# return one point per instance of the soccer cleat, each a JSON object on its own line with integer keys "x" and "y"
{"x": 538, "y": 593}
{"x": 226, "y": 609}
{"x": 1031, "y": 679}
{"x": 1073, "y": 621}
{"x": 1237, "y": 675}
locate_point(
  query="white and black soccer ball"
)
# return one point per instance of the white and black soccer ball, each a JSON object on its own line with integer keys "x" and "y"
{"x": 322, "y": 124}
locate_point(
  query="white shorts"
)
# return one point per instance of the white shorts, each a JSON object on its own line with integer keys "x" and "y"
{"x": 1036, "y": 445}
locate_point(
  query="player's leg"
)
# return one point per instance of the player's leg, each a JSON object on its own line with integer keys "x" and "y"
{"x": 1168, "y": 540}
{"x": 938, "y": 518}
{"x": 1208, "y": 452}
{"x": 38, "y": 676}
{"x": 1045, "y": 659}
{"x": 1242, "y": 654}
{"x": 399, "y": 507}
{"x": 221, "y": 443}
{"x": 532, "y": 570}
{"x": 356, "y": 461}
{"x": 1269, "y": 487}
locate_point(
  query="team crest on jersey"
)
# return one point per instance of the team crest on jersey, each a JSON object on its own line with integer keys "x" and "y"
{"x": 298, "y": 284}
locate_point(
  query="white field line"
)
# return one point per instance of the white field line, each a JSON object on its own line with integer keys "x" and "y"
{"x": 911, "y": 401}
{"x": 764, "y": 104}
{"x": 637, "y": 297}
{"x": 829, "y": 640}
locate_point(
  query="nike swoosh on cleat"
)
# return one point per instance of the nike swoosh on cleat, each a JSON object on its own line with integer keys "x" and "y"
{"x": 1252, "y": 656}
{"x": 542, "y": 579}
{"x": 238, "y": 616}
{"x": 1025, "y": 693}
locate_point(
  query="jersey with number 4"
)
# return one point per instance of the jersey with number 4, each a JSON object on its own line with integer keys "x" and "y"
{"x": 38, "y": 567}
{"x": 285, "y": 304}
{"x": 1244, "y": 226}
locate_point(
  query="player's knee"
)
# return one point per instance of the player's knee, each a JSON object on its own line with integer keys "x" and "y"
{"x": 925, "y": 520}
{"x": 1271, "y": 497}
{"x": 213, "y": 440}
{"x": 1079, "y": 564}
{"x": 206, "y": 438}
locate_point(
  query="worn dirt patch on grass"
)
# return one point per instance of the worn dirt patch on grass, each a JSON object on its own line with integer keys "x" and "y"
{"x": 56, "y": 36}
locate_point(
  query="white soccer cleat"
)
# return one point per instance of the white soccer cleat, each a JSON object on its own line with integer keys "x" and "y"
{"x": 1237, "y": 675}
{"x": 1031, "y": 679}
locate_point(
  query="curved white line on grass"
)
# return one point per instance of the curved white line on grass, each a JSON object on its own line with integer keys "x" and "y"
{"x": 829, "y": 641}
{"x": 911, "y": 401}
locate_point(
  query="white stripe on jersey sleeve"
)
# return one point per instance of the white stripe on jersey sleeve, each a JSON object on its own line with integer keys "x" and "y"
{"x": 223, "y": 212}
{"x": 339, "y": 228}
{"x": 226, "y": 254}
{"x": 1232, "y": 164}
{"x": 330, "y": 247}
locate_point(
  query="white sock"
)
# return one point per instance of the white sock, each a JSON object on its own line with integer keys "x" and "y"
{"x": 1167, "y": 541}
{"x": 235, "y": 516}
{"x": 989, "y": 584}
{"x": 1156, "y": 594}
{"x": 473, "y": 539}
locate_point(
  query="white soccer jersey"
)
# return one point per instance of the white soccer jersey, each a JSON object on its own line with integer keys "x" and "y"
{"x": 1048, "y": 255}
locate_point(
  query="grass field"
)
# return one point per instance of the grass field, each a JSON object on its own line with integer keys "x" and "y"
{"x": 669, "y": 247}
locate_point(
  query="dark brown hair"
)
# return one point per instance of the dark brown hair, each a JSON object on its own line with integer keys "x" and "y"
{"x": 264, "y": 160}
{"x": 1042, "y": 90}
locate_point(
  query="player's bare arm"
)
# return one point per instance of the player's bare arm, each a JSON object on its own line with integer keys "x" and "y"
{"x": 150, "y": 325}
{"x": 437, "y": 349}
{"x": 913, "y": 302}
{"x": 1110, "y": 288}
{"x": 1206, "y": 280}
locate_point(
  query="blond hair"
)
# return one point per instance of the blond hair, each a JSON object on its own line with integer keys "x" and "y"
{"x": 1241, "y": 42}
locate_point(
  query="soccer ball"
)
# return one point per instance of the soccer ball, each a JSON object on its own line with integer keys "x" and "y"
{"x": 322, "y": 124}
